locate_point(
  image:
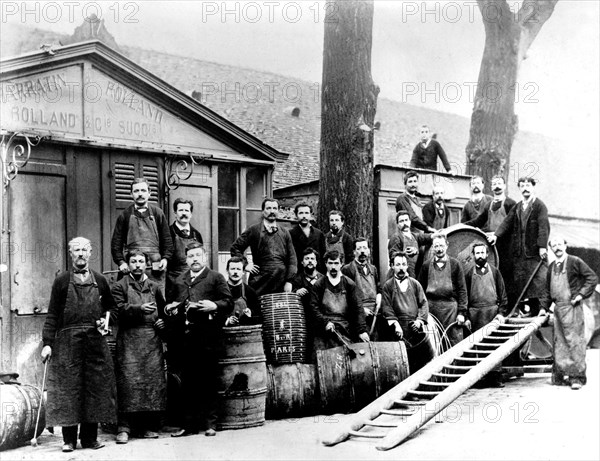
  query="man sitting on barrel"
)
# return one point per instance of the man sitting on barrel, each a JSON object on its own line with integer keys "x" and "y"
{"x": 405, "y": 308}
{"x": 335, "y": 309}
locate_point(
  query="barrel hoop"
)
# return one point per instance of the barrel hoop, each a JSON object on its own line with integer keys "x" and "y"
{"x": 242, "y": 360}
{"x": 242, "y": 394}
{"x": 350, "y": 376}
{"x": 375, "y": 362}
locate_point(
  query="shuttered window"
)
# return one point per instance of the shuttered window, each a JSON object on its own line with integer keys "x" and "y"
{"x": 124, "y": 175}
{"x": 150, "y": 173}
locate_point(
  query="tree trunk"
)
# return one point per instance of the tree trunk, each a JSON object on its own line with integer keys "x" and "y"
{"x": 494, "y": 124}
{"x": 349, "y": 101}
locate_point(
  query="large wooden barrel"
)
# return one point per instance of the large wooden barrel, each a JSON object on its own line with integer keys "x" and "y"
{"x": 348, "y": 384}
{"x": 243, "y": 378}
{"x": 19, "y": 404}
{"x": 293, "y": 391}
{"x": 460, "y": 242}
{"x": 284, "y": 327}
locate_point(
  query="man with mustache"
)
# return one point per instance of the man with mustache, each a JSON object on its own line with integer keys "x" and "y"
{"x": 305, "y": 235}
{"x": 81, "y": 379}
{"x": 368, "y": 289}
{"x": 487, "y": 299}
{"x": 334, "y": 307}
{"x": 489, "y": 220}
{"x": 141, "y": 383}
{"x": 407, "y": 242}
{"x": 203, "y": 304}
{"x": 570, "y": 281}
{"x": 528, "y": 227}
{"x": 337, "y": 238}
{"x": 405, "y": 309}
{"x": 478, "y": 202}
{"x": 144, "y": 227}
{"x": 246, "y": 308}
{"x": 274, "y": 263}
{"x": 182, "y": 234}
{"x": 435, "y": 212}
{"x": 426, "y": 152}
{"x": 408, "y": 201}
{"x": 443, "y": 280}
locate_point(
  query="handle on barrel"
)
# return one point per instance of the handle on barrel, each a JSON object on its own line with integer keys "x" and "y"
{"x": 345, "y": 343}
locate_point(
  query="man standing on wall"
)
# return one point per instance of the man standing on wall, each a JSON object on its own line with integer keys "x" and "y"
{"x": 144, "y": 227}
{"x": 273, "y": 264}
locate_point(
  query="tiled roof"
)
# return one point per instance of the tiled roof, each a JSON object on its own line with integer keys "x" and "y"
{"x": 232, "y": 92}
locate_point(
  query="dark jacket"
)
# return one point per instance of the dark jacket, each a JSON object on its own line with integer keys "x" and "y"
{"x": 537, "y": 230}
{"x": 458, "y": 283}
{"x": 396, "y": 242}
{"x": 502, "y": 300}
{"x": 482, "y": 218}
{"x": 178, "y": 260}
{"x": 315, "y": 240}
{"x": 403, "y": 202}
{"x": 426, "y": 157}
{"x": 119, "y": 237}
{"x": 390, "y": 307}
{"x": 351, "y": 270}
{"x": 430, "y": 212}
{"x": 582, "y": 279}
{"x": 470, "y": 212}
{"x": 356, "y": 317}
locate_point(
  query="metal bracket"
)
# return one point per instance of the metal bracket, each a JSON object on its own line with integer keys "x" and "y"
{"x": 179, "y": 169}
{"x": 15, "y": 153}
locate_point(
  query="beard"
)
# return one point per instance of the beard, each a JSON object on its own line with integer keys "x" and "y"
{"x": 480, "y": 261}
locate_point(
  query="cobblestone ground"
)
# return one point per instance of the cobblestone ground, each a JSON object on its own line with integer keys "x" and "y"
{"x": 528, "y": 419}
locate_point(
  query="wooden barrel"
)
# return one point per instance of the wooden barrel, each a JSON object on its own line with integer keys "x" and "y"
{"x": 293, "y": 391}
{"x": 284, "y": 327}
{"x": 348, "y": 384}
{"x": 460, "y": 242}
{"x": 19, "y": 405}
{"x": 243, "y": 378}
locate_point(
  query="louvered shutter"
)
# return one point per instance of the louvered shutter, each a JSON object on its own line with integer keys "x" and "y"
{"x": 150, "y": 172}
{"x": 124, "y": 175}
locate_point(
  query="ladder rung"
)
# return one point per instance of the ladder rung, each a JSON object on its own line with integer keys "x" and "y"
{"x": 434, "y": 384}
{"x": 366, "y": 434}
{"x": 497, "y": 338}
{"x": 409, "y": 402}
{"x": 379, "y": 424}
{"x": 398, "y": 412}
{"x": 518, "y": 321}
{"x": 468, "y": 359}
{"x": 502, "y": 334}
{"x": 446, "y": 375}
{"x": 458, "y": 367}
{"x": 495, "y": 346}
{"x": 424, "y": 393}
{"x": 476, "y": 352}
{"x": 510, "y": 327}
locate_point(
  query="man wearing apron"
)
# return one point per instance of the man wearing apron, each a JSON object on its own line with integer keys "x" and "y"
{"x": 144, "y": 227}
{"x": 337, "y": 238}
{"x": 408, "y": 242}
{"x": 528, "y": 226}
{"x": 409, "y": 201}
{"x": 140, "y": 368}
{"x": 570, "y": 281}
{"x": 368, "y": 289}
{"x": 443, "y": 280}
{"x": 405, "y": 308}
{"x": 246, "y": 307}
{"x": 435, "y": 212}
{"x": 488, "y": 221}
{"x": 273, "y": 265}
{"x": 182, "y": 234}
{"x": 81, "y": 379}
{"x": 335, "y": 308}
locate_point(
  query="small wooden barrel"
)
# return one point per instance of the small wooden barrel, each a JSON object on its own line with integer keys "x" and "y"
{"x": 243, "y": 378}
{"x": 293, "y": 391}
{"x": 348, "y": 384}
{"x": 284, "y": 326}
{"x": 19, "y": 405}
{"x": 460, "y": 242}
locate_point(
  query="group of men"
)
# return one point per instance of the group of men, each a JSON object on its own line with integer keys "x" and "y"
{"x": 168, "y": 294}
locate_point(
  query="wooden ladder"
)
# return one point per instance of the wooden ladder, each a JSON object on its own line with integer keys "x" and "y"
{"x": 401, "y": 411}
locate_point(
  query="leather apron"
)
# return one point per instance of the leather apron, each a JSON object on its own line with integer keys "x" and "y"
{"x": 440, "y": 219}
{"x": 441, "y": 304}
{"x": 141, "y": 383}
{"x": 367, "y": 296}
{"x": 569, "y": 329}
{"x": 335, "y": 242}
{"x": 495, "y": 218}
{"x": 334, "y": 307}
{"x": 273, "y": 266}
{"x": 81, "y": 380}
{"x": 483, "y": 299}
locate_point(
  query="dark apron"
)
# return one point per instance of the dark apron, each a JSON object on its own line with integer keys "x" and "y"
{"x": 367, "y": 294}
{"x": 334, "y": 307}
{"x": 483, "y": 299}
{"x": 495, "y": 218}
{"x": 439, "y": 285}
{"x": 178, "y": 264}
{"x": 569, "y": 330}
{"x": 273, "y": 267}
{"x": 141, "y": 383}
{"x": 81, "y": 382}
{"x": 440, "y": 219}
{"x": 143, "y": 235}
